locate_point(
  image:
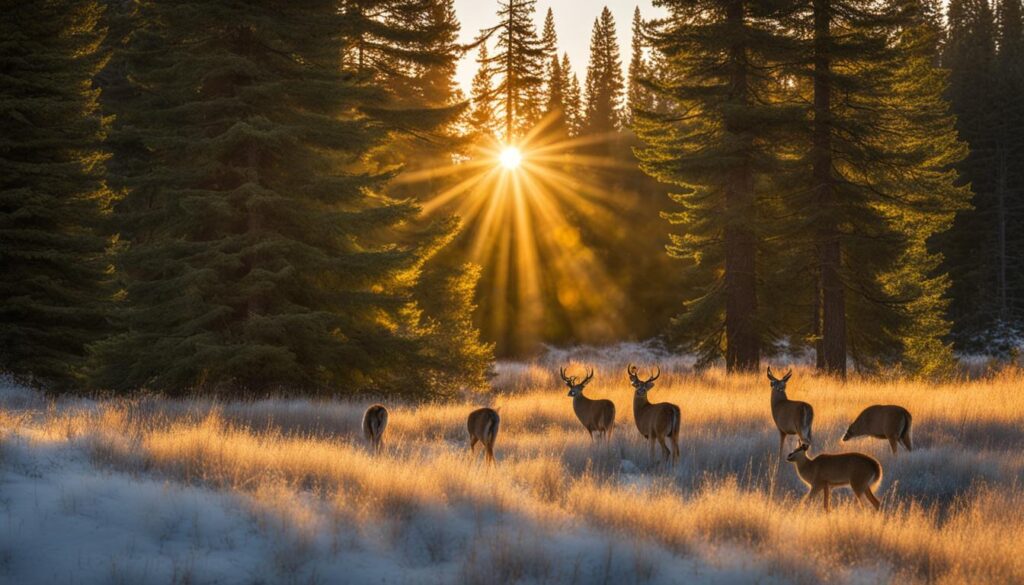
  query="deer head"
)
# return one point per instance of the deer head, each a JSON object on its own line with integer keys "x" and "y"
{"x": 641, "y": 386}
{"x": 777, "y": 384}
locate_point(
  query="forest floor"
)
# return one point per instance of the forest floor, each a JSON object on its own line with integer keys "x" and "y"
{"x": 152, "y": 490}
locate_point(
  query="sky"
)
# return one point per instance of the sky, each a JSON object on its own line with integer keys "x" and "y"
{"x": 574, "y": 20}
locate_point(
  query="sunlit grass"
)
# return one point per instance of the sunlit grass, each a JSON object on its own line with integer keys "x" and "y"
{"x": 950, "y": 509}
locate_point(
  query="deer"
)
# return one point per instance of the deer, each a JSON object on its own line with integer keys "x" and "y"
{"x": 654, "y": 421}
{"x": 859, "y": 471}
{"x": 483, "y": 427}
{"x": 375, "y": 420}
{"x": 595, "y": 415}
{"x": 791, "y": 417}
{"x": 883, "y": 421}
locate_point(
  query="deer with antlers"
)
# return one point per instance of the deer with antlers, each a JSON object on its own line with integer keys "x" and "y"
{"x": 656, "y": 422}
{"x": 791, "y": 417}
{"x": 595, "y": 415}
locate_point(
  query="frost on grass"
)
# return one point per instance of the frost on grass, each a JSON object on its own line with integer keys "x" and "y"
{"x": 283, "y": 491}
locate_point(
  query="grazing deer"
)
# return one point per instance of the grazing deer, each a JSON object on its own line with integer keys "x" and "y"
{"x": 654, "y": 421}
{"x": 483, "y": 427}
{"x": 883, "y": 421}
{"x": 596, "y": 415}
{"x": 791, "y": 417}
{"x": 375, "y": 420}
{"x": 861, "y": 472}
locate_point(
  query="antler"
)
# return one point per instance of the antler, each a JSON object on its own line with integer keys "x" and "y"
{"x": 566, "y": 379}
{"x": 590, "y": 374}
{"x": 631, "y": 370}
{"x": 654, "y": 377}
{"x": 770, "y": 376}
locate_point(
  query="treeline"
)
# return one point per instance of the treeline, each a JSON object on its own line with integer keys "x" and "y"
{"x": 193, "y": 198}
{"x": 200, "y": 197}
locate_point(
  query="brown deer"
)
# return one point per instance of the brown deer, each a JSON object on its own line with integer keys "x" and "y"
{"x": 883, "y": 421}
{"x": 483, "y": 427}
{"x": 654, "y": 421}
{"x": 861, "y": 472}
{"x": 375, "y": 420}
{"x": 596, "y": 415}
{"x": 791, "y": 417}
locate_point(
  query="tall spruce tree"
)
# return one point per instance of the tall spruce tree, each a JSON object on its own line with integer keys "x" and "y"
{"x": 483, "y": 118}
{"x": 604, "y": 86}
{"x": 573, "y": 97}
{"x": 638, "y": 98}
{"x": 971, "y": 248}
{"x": 53, "y": 261}
{"x": 519, "y": 65}
{"x": 258, "y": 249}
{"x": 718, "y": 145}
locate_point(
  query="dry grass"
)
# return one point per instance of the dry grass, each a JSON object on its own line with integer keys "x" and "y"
{"x": 952, "y": 509}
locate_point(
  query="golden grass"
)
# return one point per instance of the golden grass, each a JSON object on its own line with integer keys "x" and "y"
{"x": 952, "y": 510}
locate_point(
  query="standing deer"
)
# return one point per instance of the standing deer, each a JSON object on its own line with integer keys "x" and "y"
{"x": 596, "y": 415}
{"x": 883, "y": 421}
{"x": 375, "y": 420}
{"x": 483, "y": 427}
{"x": 654, "y": 421}
{"x": 861, "y": 472}
{"x": 791, "y": 417}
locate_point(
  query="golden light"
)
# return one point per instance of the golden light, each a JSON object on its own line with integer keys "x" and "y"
{"x": 510, "y": 158}
{"x": 525, "y": 208}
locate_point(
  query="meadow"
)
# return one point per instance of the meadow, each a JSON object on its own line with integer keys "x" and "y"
{"x": 151, "y": 490}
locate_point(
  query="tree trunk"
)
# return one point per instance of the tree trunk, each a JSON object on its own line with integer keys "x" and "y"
{"x": 832, "y": 349}
{"x": 743, "y": 344}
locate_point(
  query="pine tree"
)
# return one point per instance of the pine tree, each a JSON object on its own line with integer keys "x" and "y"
{"x": 519, "y": 63}
{"x": 483, "y": 116}
{"x": 573, "y": 98}
{"x": 258, "y": 249}
{"x": 53, "y": 272}
{"x": 604, "y": 85}
{"x": 973, "y": 254}
{"x": 720, "y": 57}
{"x": 638, "y": 98}
{"x": 554, "y": 85}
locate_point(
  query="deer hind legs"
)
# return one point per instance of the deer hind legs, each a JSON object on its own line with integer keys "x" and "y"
{"x": 892, "y": 444}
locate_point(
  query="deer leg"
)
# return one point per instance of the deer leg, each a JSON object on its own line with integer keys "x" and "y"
{"x": 591, "y": 434}
{"x": 892, "y": 444}
{"x": 674, "y": 441}
{"x": 782, "y": 443}
{"x": 871, "y": 498}
{"x": 664, "y": 448}
{"x": 828, "y": 496}
{"x": 811, "y": 494}
{"x": 472, "y": 445}
{"x": 490, "y": 452}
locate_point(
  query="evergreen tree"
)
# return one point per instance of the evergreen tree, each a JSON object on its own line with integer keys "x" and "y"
{"x": 720, "y": 59}
{"x": 604, "y": 85}
{"x": 974, "y": 256}
{"x": 555, "y": 84}
{"x": 53, "y": 261}
{"x": 259, "y": 254}
{"x": 483, "y": 116}
{"x": 638, "y": 97}
{"x": 519, "y": 63}
{"x": 573, "y": 98}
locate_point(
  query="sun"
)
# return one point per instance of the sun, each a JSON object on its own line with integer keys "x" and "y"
{"x": 510, "y": 158}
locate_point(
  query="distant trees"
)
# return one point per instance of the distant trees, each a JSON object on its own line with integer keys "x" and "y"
{"x": 519, "y": 65}
{"x": 54, "y": 283}
{"x": 604, "y": 87}
{"x": 983, "y": 52}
